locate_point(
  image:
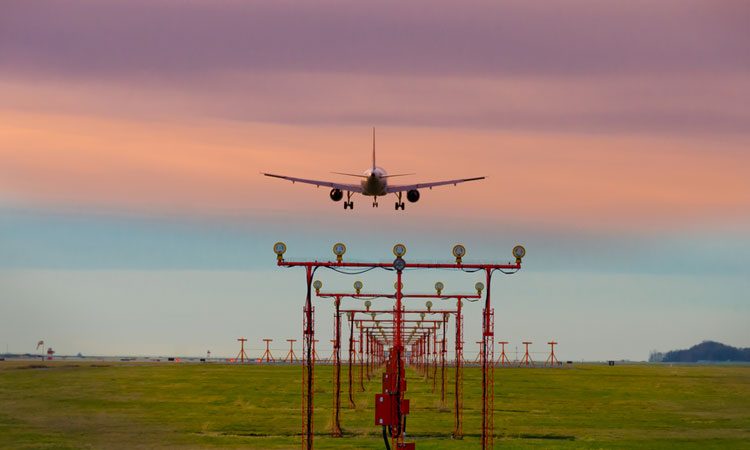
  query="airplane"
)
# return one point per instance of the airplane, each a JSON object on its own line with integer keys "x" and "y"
{"x": 374, "y": 184}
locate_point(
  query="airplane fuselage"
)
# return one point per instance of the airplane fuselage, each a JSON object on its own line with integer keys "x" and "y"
{"x": 376, "y": 182}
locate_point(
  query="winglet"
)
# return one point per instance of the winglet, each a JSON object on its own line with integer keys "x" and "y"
{"x": 373, "y": 148}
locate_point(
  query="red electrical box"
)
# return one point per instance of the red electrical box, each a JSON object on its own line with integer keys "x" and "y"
{"x": 385, "y": 409}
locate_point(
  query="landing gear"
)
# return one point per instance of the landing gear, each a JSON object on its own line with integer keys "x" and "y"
{"x": 348, "y": 204}
{"x": 399, "y": 203}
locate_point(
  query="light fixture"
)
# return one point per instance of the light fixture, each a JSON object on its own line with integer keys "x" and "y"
{"x": 358, "y": 286}
{"x": 519, "y": 252}
{"x": 317, "y": 284}
{"x": 339, "y": 249}
{"x": 279, "y": 248}
{"x": 439, "y": 286}
{"x": 459, "y": 251}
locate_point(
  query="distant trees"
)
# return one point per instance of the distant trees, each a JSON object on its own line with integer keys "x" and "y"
{"x": 705, "y": 351}
{"x": 655, "y": 356}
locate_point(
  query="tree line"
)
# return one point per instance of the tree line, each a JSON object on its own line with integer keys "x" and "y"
{"x": 705, "y": 351}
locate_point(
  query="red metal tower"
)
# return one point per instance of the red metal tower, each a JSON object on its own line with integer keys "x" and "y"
{"x": 267, "y": 356}
{"x": 241, "y": 356}
{"x": 391, "y": 406}
{"x": 526, "y": 360}
{"x": 551, "y": 359}
{"x": 504, "y": 361}
{"x": 291, "y": 357}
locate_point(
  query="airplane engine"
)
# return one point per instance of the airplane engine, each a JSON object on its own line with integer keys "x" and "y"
{"x": 336, "y": 195}
{"x": 413, "y": 196}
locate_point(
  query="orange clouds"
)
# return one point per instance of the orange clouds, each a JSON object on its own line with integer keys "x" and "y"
{"x": 212, "y": 167}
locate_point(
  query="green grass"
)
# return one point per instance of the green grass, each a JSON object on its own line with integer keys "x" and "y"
{"x": 112, "y": 405}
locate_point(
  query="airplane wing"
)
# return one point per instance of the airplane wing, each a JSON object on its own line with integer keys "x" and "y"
{"x": 343, "y": 186}
{"x": 409, "y": 187}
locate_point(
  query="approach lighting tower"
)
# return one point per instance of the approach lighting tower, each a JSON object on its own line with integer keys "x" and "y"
{"x": 552, "y": 359}
{"x": 526, "y": 360}
{"x": 242, "y": 356}
{"x": 267, "y": 356}
{"x": 391, "y": 406}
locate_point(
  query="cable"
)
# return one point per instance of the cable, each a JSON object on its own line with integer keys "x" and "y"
{"x": 385, "y": 439}
{"x": 349, "y": 272}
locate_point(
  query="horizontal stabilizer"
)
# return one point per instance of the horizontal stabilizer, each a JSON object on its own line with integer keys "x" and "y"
{"x": 399, "y": 175}
{"x": 350, "y": 174}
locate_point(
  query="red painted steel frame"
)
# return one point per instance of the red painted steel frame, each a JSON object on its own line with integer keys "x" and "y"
{"x": 526, "y": 360}
{"x": 504, "y": 361}
{"x": 291, "y": 357}
{"x": 397, "y": 431}
{"x": 336, "y": 358}
{"x": 308, "y": 373}
{"x": 242, "y": 355}
{"x": 552, "y": 359}
{"x": 352, "y": 356}
{"x": 267, "y": 356}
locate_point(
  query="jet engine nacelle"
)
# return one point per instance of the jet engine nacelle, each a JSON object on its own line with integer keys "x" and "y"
{"x": 413, "y": 196}
{"x": 336, "y": 195}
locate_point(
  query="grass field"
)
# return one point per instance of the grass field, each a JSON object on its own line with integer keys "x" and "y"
{"x": 114, "y": 405}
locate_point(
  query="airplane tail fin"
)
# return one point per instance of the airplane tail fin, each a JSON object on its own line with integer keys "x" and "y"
{"x": 373, "y": 148}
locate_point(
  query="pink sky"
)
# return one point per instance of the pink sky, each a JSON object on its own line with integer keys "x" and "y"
{"x": 626, "y": 115}
{"x": 614, "y": 135}
{"x": 212, "y": 167}
{"x": 630, "y": 115}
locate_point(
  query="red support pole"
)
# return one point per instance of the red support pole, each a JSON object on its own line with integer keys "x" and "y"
{"x": 370, "y": 357}
{"x": 434, "y": 360}
{"x": 352, "y": 355}
{"x": 308, "y": 373}
{"x": 397, "y": 431}
{"x": 458, "y": 428}
{"x": 267, "y": 356}
{"x": 552, "y": 359}
{"x": 361, "y": 360}
{"x": 241, "y": 356}
{"x": 488, "y": 368}
{"x": 443, "y": 351}
{"x": 526, "y": 360}
{"x": 504, "y": 361}
{"x": 336, "y": 425}
{"x": 291, "y": 357}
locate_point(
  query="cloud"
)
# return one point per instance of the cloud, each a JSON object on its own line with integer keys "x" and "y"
{"x": 213, "y": 168}
{"x": 171, "y": 39}
{"x": 707, "y": 104}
